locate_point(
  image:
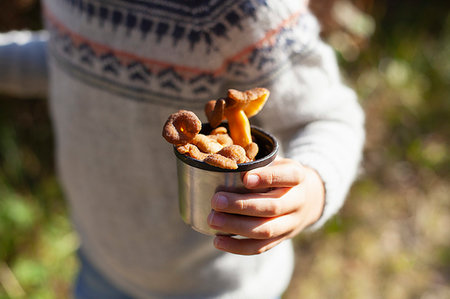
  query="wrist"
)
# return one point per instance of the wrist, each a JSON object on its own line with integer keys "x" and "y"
{"x": 315, "y": 194}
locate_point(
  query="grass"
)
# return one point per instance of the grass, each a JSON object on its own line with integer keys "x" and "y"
{"x": 390, "y": 240}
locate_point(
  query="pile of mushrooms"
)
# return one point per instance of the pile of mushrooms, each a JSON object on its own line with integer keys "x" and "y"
{"x": 219, "y": 149}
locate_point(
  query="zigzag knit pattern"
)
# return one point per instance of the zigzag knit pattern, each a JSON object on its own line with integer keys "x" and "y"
{"x": 215, "y": 33}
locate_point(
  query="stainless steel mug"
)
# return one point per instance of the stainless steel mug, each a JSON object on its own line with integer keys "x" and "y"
{"x": 198, "y": 181}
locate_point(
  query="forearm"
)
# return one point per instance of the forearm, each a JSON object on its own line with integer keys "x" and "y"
{"x": 322, "y": 126}
{"x": 23, "y": 64}
{"x": 333, "y": 149}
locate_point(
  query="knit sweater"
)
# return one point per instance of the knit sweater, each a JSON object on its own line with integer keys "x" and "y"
{"x": 117, "y": 69}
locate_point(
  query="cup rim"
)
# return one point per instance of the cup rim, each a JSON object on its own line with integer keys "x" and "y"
{"x": 257, "y": 132}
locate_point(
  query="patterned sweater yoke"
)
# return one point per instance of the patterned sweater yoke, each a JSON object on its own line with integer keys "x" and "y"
{"x": 124, "y": 45}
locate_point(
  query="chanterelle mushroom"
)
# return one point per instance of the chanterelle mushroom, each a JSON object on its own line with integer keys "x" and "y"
{"x": 239, "y": 106}
{"x": 214, "y": 112}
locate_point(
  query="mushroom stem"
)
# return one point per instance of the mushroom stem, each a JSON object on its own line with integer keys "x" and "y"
{"x": 239, "y": 127}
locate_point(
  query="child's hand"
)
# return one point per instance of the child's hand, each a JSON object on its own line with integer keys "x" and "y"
{"x": 294, "y": 200}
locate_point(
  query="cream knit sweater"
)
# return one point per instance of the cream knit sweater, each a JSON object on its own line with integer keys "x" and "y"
{"x": 118, "y": 68}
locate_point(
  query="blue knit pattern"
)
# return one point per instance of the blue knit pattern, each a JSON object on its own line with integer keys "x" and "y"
{"x": 191, "y": 22}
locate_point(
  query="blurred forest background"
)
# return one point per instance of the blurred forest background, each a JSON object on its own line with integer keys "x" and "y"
{"x": 391, "y": 239}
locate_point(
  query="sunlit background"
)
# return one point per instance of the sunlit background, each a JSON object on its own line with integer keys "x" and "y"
{"x": 391, "y": 239}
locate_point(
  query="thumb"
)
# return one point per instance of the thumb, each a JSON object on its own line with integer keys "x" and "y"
{"x": 275, "y": 175}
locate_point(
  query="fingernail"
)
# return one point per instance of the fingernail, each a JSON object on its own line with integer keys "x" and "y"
{"x": 215, "y": 219}
{"x": 220, "y": 202}
{"x": 252, "y": 180}
{"x": 218, "y": 242}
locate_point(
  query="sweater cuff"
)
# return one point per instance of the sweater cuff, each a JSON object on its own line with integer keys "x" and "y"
{"x": 23, "y": 64}
{"x": 335, "y": 188}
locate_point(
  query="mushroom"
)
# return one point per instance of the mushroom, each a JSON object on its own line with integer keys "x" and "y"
{"x": 181, "y": 127}
{"x": 239, "y": 107}
{"x": 214, "y": 112}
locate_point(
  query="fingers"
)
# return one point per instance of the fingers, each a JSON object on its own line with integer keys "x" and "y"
{"x": 245, "y": 246}
{"x": 282, "y": 173}
{"x": 253, "y": 227}
{"x": 273, "y": 203}
{"x": 291, "y": 199}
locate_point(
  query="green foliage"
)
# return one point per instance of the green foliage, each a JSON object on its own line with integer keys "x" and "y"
{"x": 37, "y": 243}
{"x": 391, "y": 238}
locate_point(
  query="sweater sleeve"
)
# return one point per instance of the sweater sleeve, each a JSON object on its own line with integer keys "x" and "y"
{"x": 23, "y": 64}
{"x": 319, "y": 122}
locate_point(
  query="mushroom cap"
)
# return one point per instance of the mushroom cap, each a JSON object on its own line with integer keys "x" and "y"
{"x": 251, "y": 101}
{"x": 214, "y": 112}
{"x": 181, "y": 127}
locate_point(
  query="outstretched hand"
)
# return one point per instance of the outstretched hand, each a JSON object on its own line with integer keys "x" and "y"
{"x": 293, "y": 198}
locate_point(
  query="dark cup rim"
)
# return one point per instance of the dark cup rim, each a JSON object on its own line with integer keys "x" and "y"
{"x": 259, "y": 134}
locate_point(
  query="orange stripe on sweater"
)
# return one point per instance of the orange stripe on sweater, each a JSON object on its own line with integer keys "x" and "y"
{"x": 267, "y": 39}
{"x": 151, "y": 63}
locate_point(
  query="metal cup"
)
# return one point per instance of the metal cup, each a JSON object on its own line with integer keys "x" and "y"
{"x": 198, "y": 181}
